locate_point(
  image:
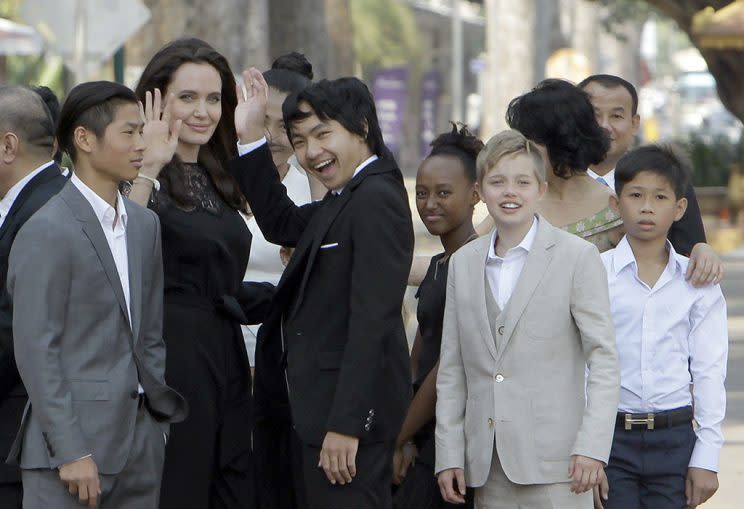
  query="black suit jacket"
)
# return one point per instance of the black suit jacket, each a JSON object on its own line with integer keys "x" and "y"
{"x": 338, "y": 304}
{"x": 688, "y": 231}
{"x": 12, "y": 394}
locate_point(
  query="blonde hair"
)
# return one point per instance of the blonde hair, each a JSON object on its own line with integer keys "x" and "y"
{"x": 508, "y": 143}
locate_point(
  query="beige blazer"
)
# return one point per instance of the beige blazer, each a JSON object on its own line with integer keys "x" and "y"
{"x": 528, "y": 395}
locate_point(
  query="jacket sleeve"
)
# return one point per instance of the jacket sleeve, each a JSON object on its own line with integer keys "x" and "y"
{"x": 590, "y": 308}
{"x": 280, "y": 220}
{"x": 689, "y": 230}
{"x": 451, "y": 387}
{"x": 382, "y": 250}
{"x": 39, "y": 277}
{"x": 152, "y": 326}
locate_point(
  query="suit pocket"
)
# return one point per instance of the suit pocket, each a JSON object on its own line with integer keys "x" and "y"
{"x": 89, "y": 390}
{"x": 330, "y": 360}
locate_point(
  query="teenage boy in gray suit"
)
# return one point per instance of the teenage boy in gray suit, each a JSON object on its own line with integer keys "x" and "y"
{"x": 86, "y": 280}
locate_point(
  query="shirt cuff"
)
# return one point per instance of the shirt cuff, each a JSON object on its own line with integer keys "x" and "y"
{"x": 250, "y": 147}
{"x": 73, "y": 461}
{"x": 705, "y": 456}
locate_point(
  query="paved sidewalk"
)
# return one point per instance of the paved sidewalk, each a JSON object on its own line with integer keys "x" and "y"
{"x": 731, "y": 476}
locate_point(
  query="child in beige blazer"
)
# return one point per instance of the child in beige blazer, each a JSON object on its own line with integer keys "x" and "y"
{"x": 527, "y": 310}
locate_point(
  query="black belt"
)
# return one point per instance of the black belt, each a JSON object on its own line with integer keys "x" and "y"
{"x": 654, "y": 420}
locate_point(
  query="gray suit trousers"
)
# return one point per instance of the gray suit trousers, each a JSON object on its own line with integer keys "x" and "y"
{"x": 135, "y": 487}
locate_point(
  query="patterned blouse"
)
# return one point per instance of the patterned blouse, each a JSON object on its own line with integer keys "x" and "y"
{"x": 596, "y": 229}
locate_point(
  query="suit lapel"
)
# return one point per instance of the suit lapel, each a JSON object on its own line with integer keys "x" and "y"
{"x": 322, "y": 223}
{"x": 134, "y": 258}
{"x": 532, "y": 273}
{"x": 477, "y": 276}
{"x": 83, "y": 211}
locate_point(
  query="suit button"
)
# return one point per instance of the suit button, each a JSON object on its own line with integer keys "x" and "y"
{"x": 367, "y": 427}
{"x": 490, "y": 422}
{"x": 372, "y": 412}
{"x": 134, "y": 394}
{"x": 499, "y": 378}
{"x": 501, "y": 330}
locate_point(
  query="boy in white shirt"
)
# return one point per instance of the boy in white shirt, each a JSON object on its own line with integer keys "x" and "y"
{"x": 669, "y": 335}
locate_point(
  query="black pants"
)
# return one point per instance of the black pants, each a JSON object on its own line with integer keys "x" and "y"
{"x": 647, "y": 468}
{"x": 370, "y": 488}
{"x": 11, "y": 495}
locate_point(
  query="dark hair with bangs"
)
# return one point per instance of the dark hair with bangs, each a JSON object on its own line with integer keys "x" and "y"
{"x": 348, "y": 101}
{"x": 91, "y": 105}
{"x": 612, "y": 81}
{"x": 289, "y": 73}
{"x": 560, "y": 116}
{"x": 459, "y": 143}
{"x": 657, "y": 159}
{"x": 223, "y": 145}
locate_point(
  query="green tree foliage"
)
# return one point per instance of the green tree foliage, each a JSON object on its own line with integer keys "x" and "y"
{"x": 385, "y": 34}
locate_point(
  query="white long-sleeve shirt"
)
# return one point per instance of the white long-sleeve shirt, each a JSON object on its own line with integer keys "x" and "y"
{"x": 668, "y": 337}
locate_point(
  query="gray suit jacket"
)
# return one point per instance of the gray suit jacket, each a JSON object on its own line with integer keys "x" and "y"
{"x": 77, "y": 354}
{"x": 524, "y": 391}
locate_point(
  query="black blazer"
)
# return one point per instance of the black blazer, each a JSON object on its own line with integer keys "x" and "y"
{"x": 688, "y": 231}
{"x": 12, "y": 394}
{"x": 338, "y": 303}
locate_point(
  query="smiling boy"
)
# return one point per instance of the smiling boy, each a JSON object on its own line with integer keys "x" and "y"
{"x": 337, "y": 310}
{"x": 526, "y": 310}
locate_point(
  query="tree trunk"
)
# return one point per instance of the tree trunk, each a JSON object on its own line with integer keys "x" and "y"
{"x": 321, "y": 29}
{"x": 726, "y": 65}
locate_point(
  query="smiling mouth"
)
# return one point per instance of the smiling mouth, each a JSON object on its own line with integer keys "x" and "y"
{"x": 510, "y": 206}
{"x": 323, "y": 166}
{"x": 199, "y": 128}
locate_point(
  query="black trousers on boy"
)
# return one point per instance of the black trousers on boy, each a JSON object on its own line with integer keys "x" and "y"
{"x": 647, "y": 468}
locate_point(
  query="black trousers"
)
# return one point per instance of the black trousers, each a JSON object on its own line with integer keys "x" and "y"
{"x": 647, "y": 468}
{"x": 370, "y": 488}
{"x": 11, "y": 495}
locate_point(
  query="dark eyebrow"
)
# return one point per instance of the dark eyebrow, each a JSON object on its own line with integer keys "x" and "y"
{"x": 315, "y": 128}
{"x": 134, "y": 125}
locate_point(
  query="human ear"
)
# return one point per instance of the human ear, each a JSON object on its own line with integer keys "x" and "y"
{"x": 681, "y": 209}
{"x": 479, "y": 192}
{"x": 614, "y": 203}
{"x": 475, "y": 196}
{"x": 543, "y": 186}
{"x": 83, "y": 139}
{"x": 9, "y": 147}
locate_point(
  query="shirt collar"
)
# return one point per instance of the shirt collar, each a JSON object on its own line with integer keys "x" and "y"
{"x": 525, "y": 245}
{"x": 104, "y": 212}
{"x": 10, "y": 197}
{"x": 623, "y": 256}
{"x": 359, "y": 168}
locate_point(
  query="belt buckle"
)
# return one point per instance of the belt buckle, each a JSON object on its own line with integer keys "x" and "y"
{"x": 630, "y": 421}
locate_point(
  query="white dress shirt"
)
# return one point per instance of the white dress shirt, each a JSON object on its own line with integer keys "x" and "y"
{"x": 114, "y": 224}
{"x": 503, "y": 273}
{"x": 10, "y": 197}
{"x": 608, "y": 178}
{"x": 668, "y": 337}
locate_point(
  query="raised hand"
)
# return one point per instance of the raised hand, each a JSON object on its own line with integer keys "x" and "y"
{"x": 160, "y": 133}
{"x": 251, "y": 110}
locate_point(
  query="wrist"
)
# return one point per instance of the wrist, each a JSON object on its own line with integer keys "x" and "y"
{"x": 250, "y": 136}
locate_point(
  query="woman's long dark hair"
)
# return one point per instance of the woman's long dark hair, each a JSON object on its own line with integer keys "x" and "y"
{"x": 222, "y": 146}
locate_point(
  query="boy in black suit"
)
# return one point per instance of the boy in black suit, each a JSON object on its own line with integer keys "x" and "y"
{"x": 28, "y": 178}
{"x": 335, "y": 323}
